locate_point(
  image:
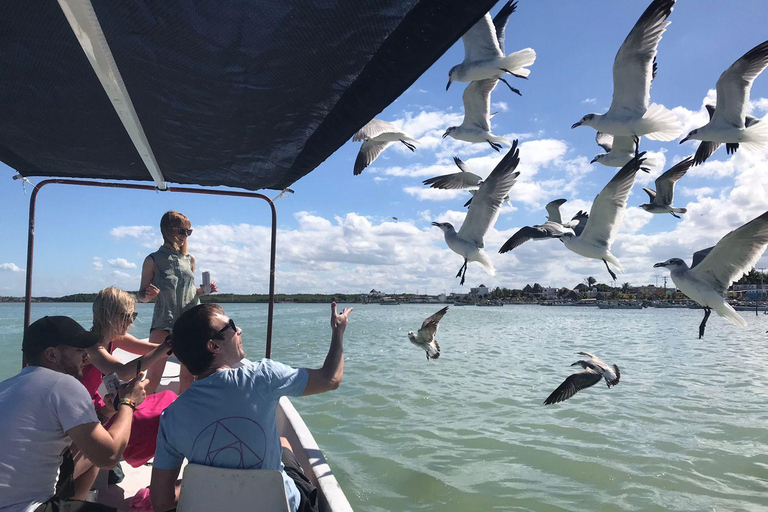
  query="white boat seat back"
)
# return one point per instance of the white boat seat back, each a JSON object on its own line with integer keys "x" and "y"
{"x": 207, "y": 488}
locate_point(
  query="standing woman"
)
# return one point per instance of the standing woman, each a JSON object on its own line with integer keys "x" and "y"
{"x": 168, "y": 276}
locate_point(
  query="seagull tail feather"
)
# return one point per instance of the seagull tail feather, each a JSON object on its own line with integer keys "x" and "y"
{"x": 680, "y": 210}
{"x": 730, "y": 314}
{"x": 437, "y": 353}
{"x": 756, "y": 136}
{"x": 516, "y": 62}
{"x": 662, "y": 123}
{"x": 485, "y": 262}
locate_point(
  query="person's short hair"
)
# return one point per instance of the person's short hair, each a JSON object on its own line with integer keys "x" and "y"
{"x": 170, "y": 221}
{"x": 111, "y": 309}
{"x": 52, "y": 331}
{"x": 190, "y": 336}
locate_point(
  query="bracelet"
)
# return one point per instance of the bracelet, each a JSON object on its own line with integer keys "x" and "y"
{"x": 128, "y": 402}
{"x": 167, "y": 342}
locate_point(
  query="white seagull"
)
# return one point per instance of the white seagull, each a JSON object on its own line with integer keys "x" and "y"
{"x": 630, "y": 113}
{"x": 729, "y": 123}
{"x": 377, "y": 136}
{"x": 713, "y": 270}
{"x": 425, "y": 338}
{"x": 595, "y": 369}
{"x": 484, "y": 52}
{"x": 661, "y": 198}
{"x": 553, "y": 228}
{"x": 464, "y": 180}
{"x": 469, "y": 240}
{"x": 593, "y": 238}
{"x": 476, "y": 126}
{"x": 618, "y": 151}
{"x": 706, "y": 148}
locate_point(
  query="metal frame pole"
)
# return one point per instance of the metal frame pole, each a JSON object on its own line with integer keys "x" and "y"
{"x": 103, "y": 184}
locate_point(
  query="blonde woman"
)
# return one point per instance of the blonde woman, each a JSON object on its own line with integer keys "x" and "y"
{"x": 168, "y": 276}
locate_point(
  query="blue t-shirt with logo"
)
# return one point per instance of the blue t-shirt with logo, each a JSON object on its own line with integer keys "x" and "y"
{"x": 228, "y": 420}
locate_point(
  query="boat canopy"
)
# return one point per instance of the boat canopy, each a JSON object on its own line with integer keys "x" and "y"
{"x": 243, "y": 93}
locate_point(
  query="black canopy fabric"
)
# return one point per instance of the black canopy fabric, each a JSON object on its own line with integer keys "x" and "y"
{"x": 244, "y": 93}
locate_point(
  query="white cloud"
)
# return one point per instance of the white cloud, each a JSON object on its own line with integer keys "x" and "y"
{"x": 121, "y": 276}
{"x": 121, "y": 263}
{"x": 10, "y": 267}
{"x": 434, "y": 194}
{"x": 97, "y": 263}
{"x": 131, "y": 232}
{"x": 501, "y": 106}
{"x": 589, "y": 101}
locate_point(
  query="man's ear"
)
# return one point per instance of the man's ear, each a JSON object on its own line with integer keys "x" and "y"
{"x": 51, "y": 355}
{"x": 213, "y": 347}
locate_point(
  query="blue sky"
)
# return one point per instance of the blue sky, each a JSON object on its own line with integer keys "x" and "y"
{"x": 337, "y": 233}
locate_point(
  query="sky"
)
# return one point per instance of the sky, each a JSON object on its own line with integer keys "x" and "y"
{"x": 341, "y": 233}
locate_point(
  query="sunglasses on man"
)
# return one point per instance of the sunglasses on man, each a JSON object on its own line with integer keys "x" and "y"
{"x": 184, "y": 231}
{"x": 230, "y": 325}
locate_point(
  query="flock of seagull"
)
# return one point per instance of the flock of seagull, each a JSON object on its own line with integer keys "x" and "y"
{"x": 630, "y": 117}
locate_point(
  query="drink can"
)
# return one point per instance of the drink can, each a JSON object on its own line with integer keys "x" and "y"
{"x": 206, "y": 282}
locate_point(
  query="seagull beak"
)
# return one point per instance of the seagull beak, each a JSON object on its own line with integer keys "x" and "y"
{"x": 445, "y": 134}
{"x": 659, "y": 265}
{"x": 593, "y": 160}
{"x": 449, "y": 84}
{"x": 684, "y": 139}
{"x": 436, "y": 224}
{"x": 575, "y": 125}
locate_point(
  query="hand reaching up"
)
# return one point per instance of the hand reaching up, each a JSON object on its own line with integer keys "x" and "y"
{"x": 339, "y": 321}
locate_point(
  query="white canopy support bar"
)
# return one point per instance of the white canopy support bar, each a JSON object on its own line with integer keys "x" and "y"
{"x": 85, "y": 25}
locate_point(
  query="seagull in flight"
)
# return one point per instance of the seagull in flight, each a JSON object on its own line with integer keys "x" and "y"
{"x": 377, "y": 136}
{"x": 484, "y": 52}
{"x": 661, "y": 198}
{"x": 594, "y": 370}
{"x": 714, "y": 269}
{"x": 425, "y": 338}
{"x": 630, "y": 113}
{"x": 595, "y": 232}
{"x": 464, "y": 180}
{"x": 476, "y": 126}
{"x": 282, "y": 193}
{"x": 553, "y": 228}
{"x": 469, "y": 240}
{"x": 728, "y": 122}
{"x": 618, "y": 151}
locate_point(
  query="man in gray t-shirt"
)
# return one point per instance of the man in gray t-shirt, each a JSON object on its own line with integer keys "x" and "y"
{"x": 46, "y": 409}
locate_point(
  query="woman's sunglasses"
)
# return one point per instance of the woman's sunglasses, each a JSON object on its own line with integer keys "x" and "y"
{"x": 230, "y": 325}
{"x": 184, "y": 231}
{"x": 132, "y": 317}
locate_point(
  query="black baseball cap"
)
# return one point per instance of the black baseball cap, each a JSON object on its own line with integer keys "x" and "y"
{"x": 51, "y": 331}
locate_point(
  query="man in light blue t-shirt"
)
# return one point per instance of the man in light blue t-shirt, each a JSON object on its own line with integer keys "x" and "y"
{"x": 227, "y": 417}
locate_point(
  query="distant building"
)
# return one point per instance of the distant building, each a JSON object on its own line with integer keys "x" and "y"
{"x": 375, "y": 294}
{"x": 481, "y": 291}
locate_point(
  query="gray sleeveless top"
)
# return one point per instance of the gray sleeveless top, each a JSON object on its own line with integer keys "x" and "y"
{"x": 176, "y": 282}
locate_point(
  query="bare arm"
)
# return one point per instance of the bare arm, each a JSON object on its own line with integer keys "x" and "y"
{"x": 163, "y": 489}
{"x": 105, "y": 447}
{"x": 147, "y": 291}
{"x": 329, "y": 376}
{"x": 107, "y": 363}
{"x": 132, "y": 344}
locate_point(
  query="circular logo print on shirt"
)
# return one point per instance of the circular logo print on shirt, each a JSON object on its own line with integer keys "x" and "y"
{"x": 236, "y": 442}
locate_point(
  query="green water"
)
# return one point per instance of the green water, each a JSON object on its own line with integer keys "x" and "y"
{"x": 686, "y": 429}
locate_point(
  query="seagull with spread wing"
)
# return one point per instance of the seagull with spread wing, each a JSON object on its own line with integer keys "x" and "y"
{"x": 714, "y": 269}
{"x": 464, "y": 180}
{"x": 595, "y": 232}
{"x": 377, "y": 136}
{"x": 484, "y": 52}
{"x": 425, "y": 338}
{"x": 728, "y": 122}
{"x": 661, "y": 198}
{"x": 476, "y": 125}
{"x": 553, "y": 228}
{"x": 594, "y": 370}
{"x": 631, "y": 114}
{"x": 469, "y": 242}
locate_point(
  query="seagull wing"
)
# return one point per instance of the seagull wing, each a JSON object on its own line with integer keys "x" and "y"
{"x": 608, "y": 208}
{"x": 369, "y": 151}
{"x": 553, "y": 210}
{"x": 704, "y": 151}
{"x": 525, "y": 234}
{"x": 454, "y": 181}
{"x": 480, "y": 41}
{"x": 605, "y": 141}
{"x": 487, "y": 201}
{"x": 572, "y": 384}
{"x": 734, "y": 85}
{"x": 376, "y": 127}
{"x": 734, "y": 255}
{"x": 500, "y": 22}
{"x": 633, "y": 65}
{"x": 623, "y": 145}
{"x": 665, "y": 184}
{"x": 699, "y": 256}
{"x": 651, "y": 194}
{"x": 461, "y": 165}
{"x": 430, "y": 325}
{"x": 579, "y": 222}
{"x": 477, "y": 103}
